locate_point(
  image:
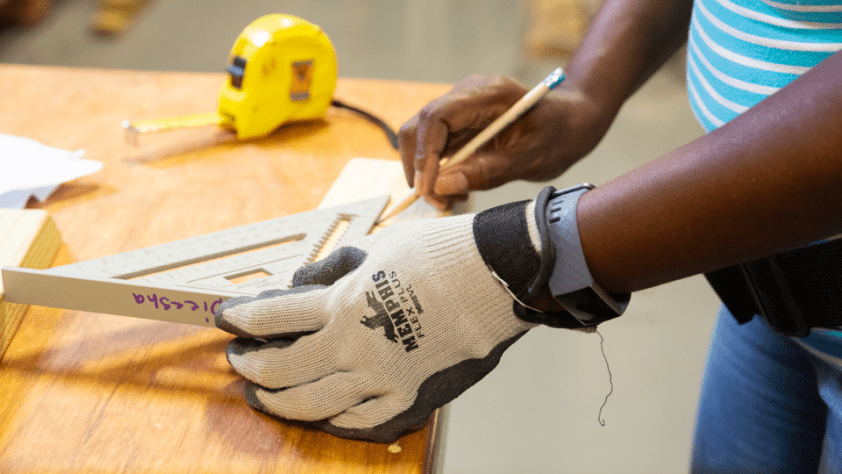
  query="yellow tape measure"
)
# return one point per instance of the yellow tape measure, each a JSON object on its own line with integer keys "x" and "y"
{"x": 281, "y": 69}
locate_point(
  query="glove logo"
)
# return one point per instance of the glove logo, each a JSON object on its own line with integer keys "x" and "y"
{"x": 399, "y": 323}
{"x": 380, "y": 318}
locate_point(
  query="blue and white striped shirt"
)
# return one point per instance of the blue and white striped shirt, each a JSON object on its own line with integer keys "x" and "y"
{"x": 741, "y": 51}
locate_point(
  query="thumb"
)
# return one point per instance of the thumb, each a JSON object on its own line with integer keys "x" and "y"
{"x": 325, "y": 272}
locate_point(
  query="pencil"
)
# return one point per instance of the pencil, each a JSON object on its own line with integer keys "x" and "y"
{"x": 519, "y": 108}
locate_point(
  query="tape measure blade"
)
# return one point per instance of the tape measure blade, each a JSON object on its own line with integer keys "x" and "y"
{"x": 111, "y": 296}
{"x": 175, "y": 123}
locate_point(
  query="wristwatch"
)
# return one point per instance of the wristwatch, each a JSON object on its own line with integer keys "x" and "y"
{"x": 563, "y": 267}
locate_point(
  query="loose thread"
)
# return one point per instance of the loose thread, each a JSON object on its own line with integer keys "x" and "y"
{"x": 610, "y": 381}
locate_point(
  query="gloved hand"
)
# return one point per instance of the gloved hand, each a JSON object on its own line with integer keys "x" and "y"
{"x": 559, "y": 130}
{"x": 372, "y": 339}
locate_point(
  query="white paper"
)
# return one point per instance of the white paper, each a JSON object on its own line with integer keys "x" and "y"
{"x": 29, "y": 168}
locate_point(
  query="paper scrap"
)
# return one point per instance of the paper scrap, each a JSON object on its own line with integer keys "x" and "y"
{"x": 30, "y": 168}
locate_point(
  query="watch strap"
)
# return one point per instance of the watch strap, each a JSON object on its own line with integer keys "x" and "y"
{"x": 502, "y": 238}
{"x": 571, "y": 282}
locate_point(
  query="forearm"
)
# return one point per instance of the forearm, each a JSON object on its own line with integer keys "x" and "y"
{"x": 767, "y": 181}
{"x": 626, "y": 43}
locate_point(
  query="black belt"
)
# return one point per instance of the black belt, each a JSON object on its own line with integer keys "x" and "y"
{"x": 793, "y": 291}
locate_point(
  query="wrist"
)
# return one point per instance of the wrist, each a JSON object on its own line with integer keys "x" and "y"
{"x": 534, "y": 250}
{"x": 563, "y": 266}
{"x": 502, "y": 236}
{"x": 581, "y": 119}
{"x": 595, "y": 97}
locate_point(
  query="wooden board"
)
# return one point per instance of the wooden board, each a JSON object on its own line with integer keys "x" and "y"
{"x": 98, "y": 393}
{"x": 366, "y": 178}
{"x": 29, "y": 239}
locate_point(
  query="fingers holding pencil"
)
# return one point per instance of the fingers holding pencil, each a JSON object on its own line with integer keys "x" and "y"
{"x": 479, "y": 131}
{"x": 443, "y": 127}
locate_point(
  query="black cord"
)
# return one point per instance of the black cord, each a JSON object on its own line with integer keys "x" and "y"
{"x": 390, "y": 134}
{"x": 610, "y": 380}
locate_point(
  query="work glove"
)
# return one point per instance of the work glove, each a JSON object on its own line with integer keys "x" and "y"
{"x": 560, "y": 129}
{"x": 372, "y": 339}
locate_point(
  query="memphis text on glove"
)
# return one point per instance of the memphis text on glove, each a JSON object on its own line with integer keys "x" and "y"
{"x": 397, "y": 313}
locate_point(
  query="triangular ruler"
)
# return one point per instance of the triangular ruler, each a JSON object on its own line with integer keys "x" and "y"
{"x": 184, "y": 281}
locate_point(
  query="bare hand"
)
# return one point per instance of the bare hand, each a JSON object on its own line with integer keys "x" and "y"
{"x": 563, "y": 127}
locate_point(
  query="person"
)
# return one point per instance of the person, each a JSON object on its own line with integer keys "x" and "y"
{"x": 370, "y": 340}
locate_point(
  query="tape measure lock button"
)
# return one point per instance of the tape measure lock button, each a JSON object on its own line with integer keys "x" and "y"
{"x": 237, "y": 70}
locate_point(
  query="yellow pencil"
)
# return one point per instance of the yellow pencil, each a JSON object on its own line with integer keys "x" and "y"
{"x": 519, "y": 108}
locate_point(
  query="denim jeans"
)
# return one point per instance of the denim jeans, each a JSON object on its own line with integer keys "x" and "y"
{"x": 766, "y": 405}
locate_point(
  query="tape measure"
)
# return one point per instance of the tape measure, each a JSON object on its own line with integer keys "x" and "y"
{"x": 281, "y": 68}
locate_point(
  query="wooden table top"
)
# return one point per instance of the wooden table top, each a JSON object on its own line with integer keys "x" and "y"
{"x": 96, "y": 393}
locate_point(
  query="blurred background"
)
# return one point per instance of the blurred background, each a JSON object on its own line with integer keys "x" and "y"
{"x": 537, "y": 412}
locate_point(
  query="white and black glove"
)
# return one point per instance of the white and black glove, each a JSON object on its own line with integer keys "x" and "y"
{"x": 372, "y": 339}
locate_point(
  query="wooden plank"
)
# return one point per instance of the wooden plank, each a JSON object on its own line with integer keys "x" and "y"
{"x": 29, "y": 239}
{"x": 100, "y": 393}
{"x": 365, "y": 178}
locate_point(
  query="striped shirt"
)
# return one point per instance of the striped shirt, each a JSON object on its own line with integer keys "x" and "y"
{"x": 741, "y": 51}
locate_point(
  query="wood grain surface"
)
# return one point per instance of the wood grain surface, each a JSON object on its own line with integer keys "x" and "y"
{"x": 29, "y": 239}
{"x": 97, "y": 393}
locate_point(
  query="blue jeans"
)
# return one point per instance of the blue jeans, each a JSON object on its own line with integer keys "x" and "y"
{"x": 766, "y": 405}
